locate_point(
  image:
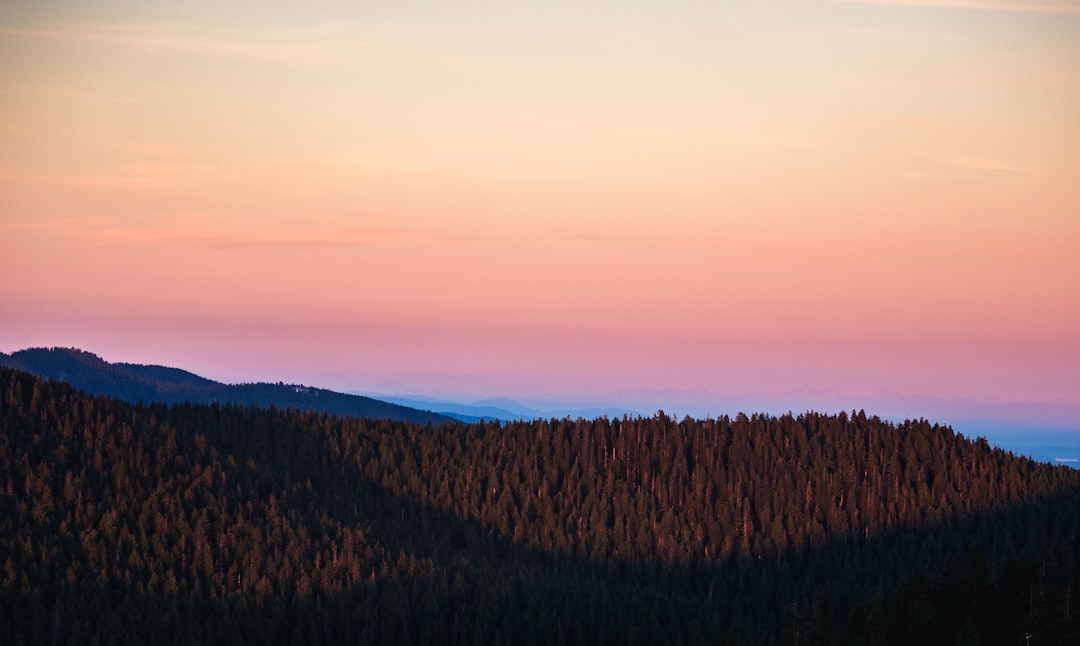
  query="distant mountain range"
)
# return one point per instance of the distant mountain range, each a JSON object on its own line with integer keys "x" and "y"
{"x": 134, "y": 382}
{"x": 501, "y": 408}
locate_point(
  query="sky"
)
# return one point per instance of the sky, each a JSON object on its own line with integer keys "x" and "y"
{"x": 687, "y": 205}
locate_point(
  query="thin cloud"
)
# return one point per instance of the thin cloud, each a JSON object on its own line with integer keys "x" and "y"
{"x": 1025, "y": 6}
{"x": 951, "y": 167}
{"x": 328, "y": 44}
{"x": 220, "y": 230}
{"x": 226, "y": 239}
{"x": 54, "y": 94}
{"x": 126, "y": 183}
{"x": 144, "y": 148}
{"x": 986, "y": 164}
{"x": 700, "y": 35}
{"x": 593, "y": 238}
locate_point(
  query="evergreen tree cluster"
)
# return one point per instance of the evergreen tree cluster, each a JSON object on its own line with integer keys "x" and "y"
{"x": 132, "y": 523}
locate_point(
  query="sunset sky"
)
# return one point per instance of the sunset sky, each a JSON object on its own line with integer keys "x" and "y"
{"x": 624, "y": 203}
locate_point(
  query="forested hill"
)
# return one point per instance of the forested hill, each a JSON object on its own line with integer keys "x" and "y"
{"x": 133, "y": 382}
{"x": 124, "y": 523}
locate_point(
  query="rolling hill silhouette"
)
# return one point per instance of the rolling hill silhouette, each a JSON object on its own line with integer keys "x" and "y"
{"x": 148, "y": 383}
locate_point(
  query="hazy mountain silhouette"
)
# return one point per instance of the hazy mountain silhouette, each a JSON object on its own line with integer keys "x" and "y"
{"x": 501, "y": 408}
{"x": 150, "y": 383}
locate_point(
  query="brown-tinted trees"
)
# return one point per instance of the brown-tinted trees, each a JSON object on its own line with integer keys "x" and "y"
{"x": 228, "y": 523}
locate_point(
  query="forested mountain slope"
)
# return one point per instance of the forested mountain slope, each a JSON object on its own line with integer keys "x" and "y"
{"x": 134, "y": 382}
{"x": 126, "y": 523}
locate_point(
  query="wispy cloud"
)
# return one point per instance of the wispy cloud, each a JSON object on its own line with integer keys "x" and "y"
{"x": 230, "y": 230}
{"x": 142, "y": 182}
{"x": 329, "y": 44}
{"x": 68, "y": 94}
{"x": 215, "y": 238}
{"x": 1027, "y": 6}
{"x": 986, "y": 164}
{"x": 223, "y": 230}
{"x": 152, "y": 167}
{"x": 939, "y": 166}
{"x": 595, "y": 238}
{"x": 699, "y": 35}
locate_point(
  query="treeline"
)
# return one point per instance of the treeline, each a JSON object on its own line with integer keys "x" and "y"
{"x": 126, "y": 523}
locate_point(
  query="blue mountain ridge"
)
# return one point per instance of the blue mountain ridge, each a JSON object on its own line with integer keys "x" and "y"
{"x": 151, "y": 383}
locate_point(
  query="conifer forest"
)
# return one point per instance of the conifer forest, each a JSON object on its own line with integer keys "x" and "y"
{"x": 127, "y": 523}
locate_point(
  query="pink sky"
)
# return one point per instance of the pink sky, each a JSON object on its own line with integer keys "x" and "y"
{"x": 580, "y": 202}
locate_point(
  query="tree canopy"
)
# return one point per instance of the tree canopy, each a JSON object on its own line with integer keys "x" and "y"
{"x": 204, "y": 523}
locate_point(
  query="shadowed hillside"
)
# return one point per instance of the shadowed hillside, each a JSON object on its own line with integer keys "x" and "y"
{"x": 135, "y": 383}
{"x": 222, "y": 523}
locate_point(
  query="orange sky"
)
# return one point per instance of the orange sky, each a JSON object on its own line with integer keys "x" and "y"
{"x": 575, "y": 200}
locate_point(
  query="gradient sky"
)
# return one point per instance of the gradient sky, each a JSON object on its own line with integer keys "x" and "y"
{"x": 591, "y": 201}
